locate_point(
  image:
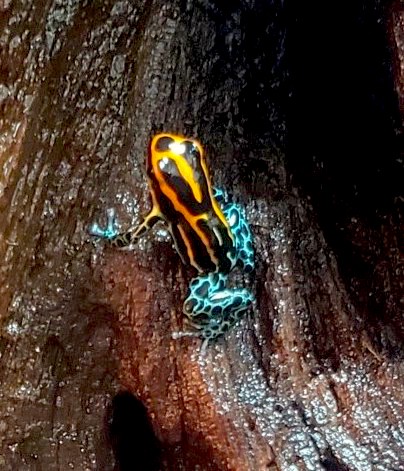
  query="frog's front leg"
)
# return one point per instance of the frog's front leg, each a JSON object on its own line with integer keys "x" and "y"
{"x": 211, "y": 308}
{"x": 128, "y": 237}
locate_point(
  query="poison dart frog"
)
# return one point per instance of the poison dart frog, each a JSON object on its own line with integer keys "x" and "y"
{"x": 209, "y": 232}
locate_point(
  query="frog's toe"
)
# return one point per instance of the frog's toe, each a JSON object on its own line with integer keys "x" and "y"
{"x": 96, "y": 230}
{"x": 110, "y": 230}
{"x": 181, "y": 334}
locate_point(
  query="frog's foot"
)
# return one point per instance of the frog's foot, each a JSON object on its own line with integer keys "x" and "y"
{"x": 121, "y": 240}
{"x": 179, "y": 335}
{"x": 237, "y": 220}
{"x": 128, "y": 238}
{"x": 211, "y": 308}
{"x": 192, "y": 333}
{"x": 110, "y": 231}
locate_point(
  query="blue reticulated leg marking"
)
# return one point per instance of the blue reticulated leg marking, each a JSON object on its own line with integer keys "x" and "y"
{"x": 235, "y": 215}
{"x": 240, "y": 228}
{"x": 127, "y": 238}
{"x": 220, "y": 196}
{"x": 211, "y": 308}
{"x": 110, "y": 230}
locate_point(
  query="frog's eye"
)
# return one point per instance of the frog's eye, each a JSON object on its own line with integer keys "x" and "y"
{"x": 164, "y": 143}
{"x": 192, "y": 154}
{"x": 191, "y": 148}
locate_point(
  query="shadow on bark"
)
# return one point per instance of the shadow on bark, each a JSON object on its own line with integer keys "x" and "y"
{"x": 131, "y": 434}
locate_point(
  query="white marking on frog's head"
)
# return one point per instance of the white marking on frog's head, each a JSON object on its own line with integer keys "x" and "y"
{"x": 177, "y": 148}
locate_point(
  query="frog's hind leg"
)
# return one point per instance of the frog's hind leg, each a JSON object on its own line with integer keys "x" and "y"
{"x": 211, "y": 308}
{"x": 128, "y": 237}
{"x": 240, "y": 228}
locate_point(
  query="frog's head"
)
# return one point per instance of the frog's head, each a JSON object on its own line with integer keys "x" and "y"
{"x": 178, "y": 162}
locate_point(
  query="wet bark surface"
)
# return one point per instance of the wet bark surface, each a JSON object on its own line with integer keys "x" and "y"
{"x": 307, "y": 142}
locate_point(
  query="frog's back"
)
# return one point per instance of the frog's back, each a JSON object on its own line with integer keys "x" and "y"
{"x": 181, "y": 190}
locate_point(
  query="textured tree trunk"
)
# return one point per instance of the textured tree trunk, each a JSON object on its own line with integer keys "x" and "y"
{"x": 307, "y": 141}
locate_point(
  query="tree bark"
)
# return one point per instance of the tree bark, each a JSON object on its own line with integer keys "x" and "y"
{"x": 91, "y": 378}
